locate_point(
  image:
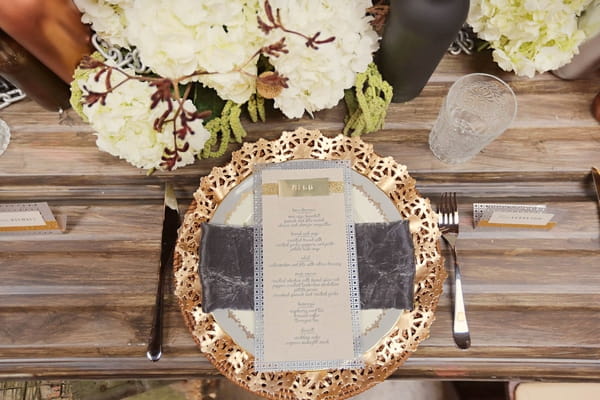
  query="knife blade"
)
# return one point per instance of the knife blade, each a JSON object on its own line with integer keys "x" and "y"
{"x": 171, "y": 222}
{"x": 596, "y": 178}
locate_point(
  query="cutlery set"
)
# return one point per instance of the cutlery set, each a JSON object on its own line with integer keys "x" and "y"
{"x": 448, "y": 221}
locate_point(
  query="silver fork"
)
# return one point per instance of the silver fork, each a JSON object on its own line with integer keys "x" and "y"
{"x": 448, "y": 222}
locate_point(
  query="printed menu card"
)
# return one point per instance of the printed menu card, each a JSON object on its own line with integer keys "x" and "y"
{"x": 306, "y": 282}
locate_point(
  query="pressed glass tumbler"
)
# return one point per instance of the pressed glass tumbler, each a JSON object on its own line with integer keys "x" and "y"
{"x": 478, "y": 109}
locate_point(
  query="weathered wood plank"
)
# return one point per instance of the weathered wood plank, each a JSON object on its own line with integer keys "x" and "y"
{"x": 124, "y": 331}
{"x": 420, "y": 368}
{"x": 545, "y": 279}
{"x": 134, "y": 227}
{"x": 521, "y": 149}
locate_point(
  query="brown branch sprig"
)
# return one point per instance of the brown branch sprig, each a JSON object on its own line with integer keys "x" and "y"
{"x": 379, "y": 11}
{"x": 172, "y": 156}
{"x": 275, "y": 49}
{"x": 104, "y": 70}
{"x": 275, "y": 23}
{"x": 92, "y": 97}
{"x": 166, "y": 92}
{"x": 162, "y": 94}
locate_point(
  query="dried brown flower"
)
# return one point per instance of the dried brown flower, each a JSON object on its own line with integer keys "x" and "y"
{"x": 269, "y": 84}
{"x": 379, "y": 11}
{"x": 275, "y": 49}
{"x": 88, "y": 62}
{"x": 92, "y": 97}
{"x": 163, "y": 91}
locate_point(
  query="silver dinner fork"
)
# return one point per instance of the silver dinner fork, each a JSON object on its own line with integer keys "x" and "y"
{"x": 448, "y": 222}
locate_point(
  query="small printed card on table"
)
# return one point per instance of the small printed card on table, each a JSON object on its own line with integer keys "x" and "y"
{"x": 520, "y": 216}
{"x": 306, "y": 282}
{"x": 28, "y": 218}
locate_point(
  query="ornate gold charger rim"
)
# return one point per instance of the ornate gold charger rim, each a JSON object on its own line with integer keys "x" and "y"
{"x": 392, "y": 350}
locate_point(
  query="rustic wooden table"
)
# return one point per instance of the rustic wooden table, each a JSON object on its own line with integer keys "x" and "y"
{"x": 78, "y": 305}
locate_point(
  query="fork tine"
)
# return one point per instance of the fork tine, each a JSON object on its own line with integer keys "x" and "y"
{"x": 455, "y": 208}
{"x": 443, "y": 203}
{"x": 448, "y": 207}
{"x": 441, "y": 210}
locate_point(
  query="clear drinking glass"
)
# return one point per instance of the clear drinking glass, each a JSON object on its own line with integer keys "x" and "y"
{"x": 477, "y": 109}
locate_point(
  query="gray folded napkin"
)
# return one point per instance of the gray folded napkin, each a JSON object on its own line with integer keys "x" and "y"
{"x": 385, "y": 256}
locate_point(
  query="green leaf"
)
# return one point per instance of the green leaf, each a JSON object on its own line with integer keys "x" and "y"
{"x": 263, "y": 64}
{"x": 205, "y": 98}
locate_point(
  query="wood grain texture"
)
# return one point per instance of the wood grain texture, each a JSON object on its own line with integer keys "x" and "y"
{"x": 78, "y": 305}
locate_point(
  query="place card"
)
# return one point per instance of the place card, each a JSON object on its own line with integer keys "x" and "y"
{"x": 494, "y": 215}
{"x": 306, "y": 292}
{"x": 28, "y": 218}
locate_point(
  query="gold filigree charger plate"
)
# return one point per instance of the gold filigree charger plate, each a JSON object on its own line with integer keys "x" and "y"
{"x": 389, "y": 342}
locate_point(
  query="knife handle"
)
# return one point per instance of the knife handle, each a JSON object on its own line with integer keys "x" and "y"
{"x": 154, "y": 351}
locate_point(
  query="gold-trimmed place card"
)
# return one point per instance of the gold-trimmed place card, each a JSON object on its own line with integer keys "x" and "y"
{"x": 28, "y": 218}
{"x": 520, "y": 216}
{"x": 302, "y": 187}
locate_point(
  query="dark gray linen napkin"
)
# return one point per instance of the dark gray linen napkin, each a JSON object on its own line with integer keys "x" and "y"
{"x": 385, "y": 257}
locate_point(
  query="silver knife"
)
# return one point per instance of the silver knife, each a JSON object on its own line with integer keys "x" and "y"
{"x": 596, "y": 177}
{"x": 171, "y": 223}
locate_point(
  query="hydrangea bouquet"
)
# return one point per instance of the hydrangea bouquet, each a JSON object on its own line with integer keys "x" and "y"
{"x": 529, "y": 36}
{"x": 202, "y": 61}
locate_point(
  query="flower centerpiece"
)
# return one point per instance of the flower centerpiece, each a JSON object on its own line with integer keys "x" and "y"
{"x": 198, "y": 65}
{"x": 529, "y": 36}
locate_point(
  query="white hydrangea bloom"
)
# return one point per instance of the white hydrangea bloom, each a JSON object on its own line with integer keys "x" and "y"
{"x": 317, "y": 78}
{"x": 124, "y": 125}
{"x": 233, "y": 85}
{"x": 529, "y": 36}
{"x": 176, "y": 38}
{"x": 107, "y": 19}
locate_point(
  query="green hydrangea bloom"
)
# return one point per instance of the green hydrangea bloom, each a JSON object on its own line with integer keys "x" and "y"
{"x": 529, "y": 36}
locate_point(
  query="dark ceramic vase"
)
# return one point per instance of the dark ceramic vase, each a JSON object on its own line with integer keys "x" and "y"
{"x": 416, "y": 36}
